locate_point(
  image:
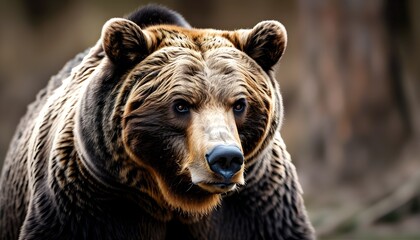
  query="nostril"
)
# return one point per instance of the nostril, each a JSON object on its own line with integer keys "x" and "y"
{"x": 222, "y": 161}
{"x": 225, "y": 160}
{"x": 237, "y": 160}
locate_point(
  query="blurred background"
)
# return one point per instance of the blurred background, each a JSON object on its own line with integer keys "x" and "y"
{"x": 349, "y": 78}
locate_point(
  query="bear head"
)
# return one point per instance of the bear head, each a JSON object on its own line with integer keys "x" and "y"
{"x": 196, "y": 107}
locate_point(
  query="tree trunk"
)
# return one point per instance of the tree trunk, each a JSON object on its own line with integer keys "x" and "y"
{"x": 353, "y": 93}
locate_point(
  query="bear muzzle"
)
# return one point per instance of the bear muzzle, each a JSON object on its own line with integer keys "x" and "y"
{"x": 216, "y": 159}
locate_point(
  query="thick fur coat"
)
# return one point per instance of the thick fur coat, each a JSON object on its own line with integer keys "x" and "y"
{"x": 159, "y": 131}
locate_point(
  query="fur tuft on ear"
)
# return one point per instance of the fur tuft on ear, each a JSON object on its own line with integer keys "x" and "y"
{"x": 265, "y": 43}
{"x": 124, "y": 42}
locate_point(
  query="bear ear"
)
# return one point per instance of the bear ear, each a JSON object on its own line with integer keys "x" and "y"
{"x": 265, "y": 43}
{"x": 124, "y": 42}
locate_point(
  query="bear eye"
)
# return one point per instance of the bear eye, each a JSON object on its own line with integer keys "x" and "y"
{"x": 239, "y": 106}
{"x": 181, "y": 106}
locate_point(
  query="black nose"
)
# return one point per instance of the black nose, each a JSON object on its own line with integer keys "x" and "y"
{"x": 225, "y": 160}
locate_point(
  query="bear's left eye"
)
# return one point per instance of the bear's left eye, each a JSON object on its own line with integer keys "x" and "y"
{"x": 181, "y": 106}
{"x": 239, "y": 106}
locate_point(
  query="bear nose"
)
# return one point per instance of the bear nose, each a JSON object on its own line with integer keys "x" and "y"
{"x": 225, "y": 160}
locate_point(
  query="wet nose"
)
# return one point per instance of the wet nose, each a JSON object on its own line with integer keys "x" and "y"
{"x": 225, "y": 160}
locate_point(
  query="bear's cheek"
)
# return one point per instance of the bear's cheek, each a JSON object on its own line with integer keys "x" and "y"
{"x": 154, "y": 149}
{"x": 252, "y": 131}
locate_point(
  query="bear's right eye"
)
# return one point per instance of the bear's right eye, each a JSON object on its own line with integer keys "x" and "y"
{"x": 181, "y": 106}
{"x": 239, "y": 106}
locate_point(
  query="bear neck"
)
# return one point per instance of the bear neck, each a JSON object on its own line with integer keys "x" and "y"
{"x": 90, "y": 194}
{"x": 258, "y": 165}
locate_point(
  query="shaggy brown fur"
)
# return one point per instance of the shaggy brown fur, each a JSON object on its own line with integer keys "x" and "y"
{"x": 117, "y": 148}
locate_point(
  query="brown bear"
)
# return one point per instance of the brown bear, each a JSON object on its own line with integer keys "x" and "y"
{"x": 159, "y": 131}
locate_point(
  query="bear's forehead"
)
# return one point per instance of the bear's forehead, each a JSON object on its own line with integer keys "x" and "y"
{"x": 196, "y": 39}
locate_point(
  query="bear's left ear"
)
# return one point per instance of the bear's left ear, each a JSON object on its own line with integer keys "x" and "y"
{"x": 265, "y": 43}
{"x": 124, "y": 42}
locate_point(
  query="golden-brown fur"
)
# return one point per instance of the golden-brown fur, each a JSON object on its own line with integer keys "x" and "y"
{"x": 118, "y": 148}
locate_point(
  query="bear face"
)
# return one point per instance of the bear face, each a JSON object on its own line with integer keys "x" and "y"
{"x": 142, "y": 136}
{"x": 196, "y": 106}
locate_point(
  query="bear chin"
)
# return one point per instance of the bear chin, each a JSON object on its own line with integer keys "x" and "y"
{"x": 218, "y": 187}
{"x": 197, "y": 201}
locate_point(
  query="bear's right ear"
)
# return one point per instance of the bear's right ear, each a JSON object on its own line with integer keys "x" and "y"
{"x": 124, "y": 42}
{"x": 265, "y": 43}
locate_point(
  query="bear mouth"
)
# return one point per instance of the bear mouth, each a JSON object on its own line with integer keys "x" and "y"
{"x": 217, "y": 187}
{"x": 213, "y": 183}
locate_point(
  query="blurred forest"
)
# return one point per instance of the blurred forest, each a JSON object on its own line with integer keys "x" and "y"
{"x": 349, "y": 78}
